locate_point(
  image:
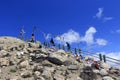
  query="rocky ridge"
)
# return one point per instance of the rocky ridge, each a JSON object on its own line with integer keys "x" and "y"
{"x": 21, "y": 60}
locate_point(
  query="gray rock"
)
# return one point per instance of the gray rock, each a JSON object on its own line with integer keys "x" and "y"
{"x": 59, "y": 77}
{"x": 74, "y": 77}
{"x": 25, "y": 64}
{"x": 103, "y": 72}
{"x": 88, "y": 74}
{"x": 37, "y": 73}
{"x": 3, "y": 53}
{"x": 60, "y": 51}
{"x": 51, "y": 69}
{"x": 107, "y": 78}
{"x": 0, "y": 70}
{"x": 89, "y": 58}
{"x": 40, "y": 78}
{"x": 38, "y": 68}
{"x": 4, "y": 62}
{"x": 73, "y": 67}
{"x": 47, "y": 75}
{"x": 57, "y": 59}
{"x": 96, "y": 71}
{"x": 26, "y": 74}
{"x": 104, "y": 65}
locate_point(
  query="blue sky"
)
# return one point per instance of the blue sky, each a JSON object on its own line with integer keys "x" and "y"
{"x": 93, "y": 24}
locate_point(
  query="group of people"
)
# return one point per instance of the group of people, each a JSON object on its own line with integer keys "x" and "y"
{"x": 32, "y": 39}
{"x": 53, "y": 44}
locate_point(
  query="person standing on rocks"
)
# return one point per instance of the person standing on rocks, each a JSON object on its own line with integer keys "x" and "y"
{"x": 32, "y": 38}
{"x": 68, "y": 46}
{"x": 52, "y": 42}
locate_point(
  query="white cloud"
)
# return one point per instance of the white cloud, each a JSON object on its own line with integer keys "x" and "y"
{"x": 71, "y": 36}
{"x": 101, "y": 42}
{"x": 107, "y": 18}
{"x": 74, "y": 37}
{"x": 89, "y": 36}
{"x": 99, "y": 14}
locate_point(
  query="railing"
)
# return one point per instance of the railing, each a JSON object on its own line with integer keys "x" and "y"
{"x": 84, "y": 53}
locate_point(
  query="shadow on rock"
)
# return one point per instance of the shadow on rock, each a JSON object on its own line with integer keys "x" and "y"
{"x": 88, "y": 74}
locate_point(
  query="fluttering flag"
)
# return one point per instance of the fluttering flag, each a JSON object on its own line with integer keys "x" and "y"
{"x": 22, "y": 32}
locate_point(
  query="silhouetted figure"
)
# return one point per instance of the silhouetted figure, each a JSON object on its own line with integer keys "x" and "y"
{"x": 68, "y": 46}
{"x": 52, "y": 42}
{"x": 32, "y": 38}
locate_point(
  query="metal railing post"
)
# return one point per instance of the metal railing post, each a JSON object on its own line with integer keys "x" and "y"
{"x": 104, "y": 58}
{"x": 48, "y": 45}
{"x": 75, "y": 51}
{"x": 63, "y": 47}
{"x": 59, "y": 46}
{"x": 100, "y": 56}
{"x": 79, "y": 50}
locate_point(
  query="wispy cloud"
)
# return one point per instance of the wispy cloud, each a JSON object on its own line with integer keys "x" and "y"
{"x": 74, "y": 37}
{"x": 101, "y": 42}
{"x": 107, "y": 19}
{"x": 115, "y": 31}
{"x": 99, "y": 14}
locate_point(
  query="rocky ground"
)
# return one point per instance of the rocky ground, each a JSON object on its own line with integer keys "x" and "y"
{"x": 21, "y": 60}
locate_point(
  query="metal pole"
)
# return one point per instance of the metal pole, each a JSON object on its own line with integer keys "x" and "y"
{"x": 59, "y": 46}
{"x": 104, "y": 57}
{"x": 100, "y": 56}
{"x": 79, "y": 50}
{"x": 63, "y": 47}
{"x": 75, "y": 51}
{"x": 48, "y": 45}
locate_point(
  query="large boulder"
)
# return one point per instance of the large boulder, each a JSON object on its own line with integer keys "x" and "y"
{"x": 57, "y": 58}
